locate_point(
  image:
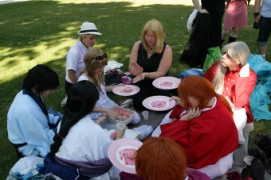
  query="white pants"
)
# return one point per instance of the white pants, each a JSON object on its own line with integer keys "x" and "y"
{"x": 240, "y": 120}
{"x": 165, "y": 120}
{"x": 219, "y": 168}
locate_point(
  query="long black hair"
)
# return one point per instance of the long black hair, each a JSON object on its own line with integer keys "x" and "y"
{"x": 42, "y": 78}
{"x": 82, "y": 97}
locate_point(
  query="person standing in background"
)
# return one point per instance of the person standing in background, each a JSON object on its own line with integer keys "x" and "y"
{"x": 235, "y": 18}
{"x": 262, "y": 20}
{"x": 206, "y": 31}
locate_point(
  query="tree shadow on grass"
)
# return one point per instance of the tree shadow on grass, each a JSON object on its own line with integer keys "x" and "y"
{"x": 41, "y": 32}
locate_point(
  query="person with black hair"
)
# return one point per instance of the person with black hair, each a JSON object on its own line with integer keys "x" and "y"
{"x": 80, "y": 148}
{"x": 28, "y": 121}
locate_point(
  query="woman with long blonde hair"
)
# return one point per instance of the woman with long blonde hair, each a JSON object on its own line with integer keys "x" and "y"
{"x": 95, "y": 61}
{"x": 151, "y": 58}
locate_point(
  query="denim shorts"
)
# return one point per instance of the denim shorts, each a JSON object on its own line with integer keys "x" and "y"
{"x": 264, "y": 30}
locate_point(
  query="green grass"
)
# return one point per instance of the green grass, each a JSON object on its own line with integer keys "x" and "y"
{"x": 41, "y": 32}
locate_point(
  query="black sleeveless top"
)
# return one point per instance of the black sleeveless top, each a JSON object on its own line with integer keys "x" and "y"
{"x": 150, "y": 64}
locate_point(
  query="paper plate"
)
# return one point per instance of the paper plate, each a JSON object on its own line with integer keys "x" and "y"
{"x": 125, "y": 90}
{"x": 166, "y": 83}
{"x": 116, "y": 149}
{"x": 158, "y": 103}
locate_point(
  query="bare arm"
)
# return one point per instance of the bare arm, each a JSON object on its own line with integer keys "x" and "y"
{"x": 134, "y": 68}
{"x": 72, "y": 75}
{"x": 107, "y": 111}
{"x": 198, "y": 6}
{"x": 257, "y": 8}
{"x": 163, "y": 68}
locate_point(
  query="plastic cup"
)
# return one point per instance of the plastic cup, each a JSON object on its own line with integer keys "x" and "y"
{"x": 120, "y": 130}
{"x": 145, "y": 115}
{"x": 126, "y": 80}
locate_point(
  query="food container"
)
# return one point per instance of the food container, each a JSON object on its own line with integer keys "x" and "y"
{"x": 124, "y": 115}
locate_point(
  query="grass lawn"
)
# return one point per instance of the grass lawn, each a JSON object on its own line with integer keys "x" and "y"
{"x": 41, "y": 32}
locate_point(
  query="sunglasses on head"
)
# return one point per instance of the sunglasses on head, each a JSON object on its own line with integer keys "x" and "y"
{"x": 100, "y": 57}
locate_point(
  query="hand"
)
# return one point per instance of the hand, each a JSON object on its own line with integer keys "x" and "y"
{"x": 139, "y": 77}
{"x": 203, "y": 11}
{"x": 191, "y": 114}
{"x": 111, "y": 113}
{"x": 110, "y": 87}
{"x": 100, "y": 120}
{"x": 176, "y": 99}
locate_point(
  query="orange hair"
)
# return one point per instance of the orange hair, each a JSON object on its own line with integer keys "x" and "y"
{"x": 199, "y": 88}
{"x": 160, "y": 158}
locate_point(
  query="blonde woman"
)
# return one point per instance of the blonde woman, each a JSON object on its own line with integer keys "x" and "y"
{"x": 151, "y": 58}
{"x": 233, "y": 78}
{"x": 95, "y": 61}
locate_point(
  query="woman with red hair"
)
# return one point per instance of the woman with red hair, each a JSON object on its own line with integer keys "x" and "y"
{"x": 202, "y": 123}
{"x": 161, "y": 158}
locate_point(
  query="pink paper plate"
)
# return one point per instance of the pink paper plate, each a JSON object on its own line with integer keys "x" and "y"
{"x": 158, "y": 103}
{"x": 115, "y": 149}
{"x": 126, "y": 90}
{"x": 166, "y": 82}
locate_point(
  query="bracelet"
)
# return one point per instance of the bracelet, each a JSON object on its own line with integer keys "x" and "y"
{"x": 256, "y": 14}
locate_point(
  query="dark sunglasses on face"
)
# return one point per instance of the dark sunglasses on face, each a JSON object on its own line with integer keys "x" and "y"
{"x": 101, "y": 57}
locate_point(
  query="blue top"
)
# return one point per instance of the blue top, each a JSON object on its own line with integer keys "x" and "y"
{"x": 27, "y": 123}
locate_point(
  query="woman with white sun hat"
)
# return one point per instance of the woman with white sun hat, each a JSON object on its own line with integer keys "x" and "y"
{"x": 88, "y": 35}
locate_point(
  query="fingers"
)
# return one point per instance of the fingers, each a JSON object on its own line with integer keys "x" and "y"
{"x": 194, "y": 112}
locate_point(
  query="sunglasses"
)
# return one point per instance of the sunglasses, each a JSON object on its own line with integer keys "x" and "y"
{"x": 100, "y": 57}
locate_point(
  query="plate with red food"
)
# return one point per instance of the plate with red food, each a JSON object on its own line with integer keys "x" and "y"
{"x": 158, "y": 103}
{"x": 125, "y": 90}
{"x": 166, "y": 83}
{"x": 122, "y": 154}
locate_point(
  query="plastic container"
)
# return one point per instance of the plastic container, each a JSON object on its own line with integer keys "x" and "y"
{"x": 124, "y": 115}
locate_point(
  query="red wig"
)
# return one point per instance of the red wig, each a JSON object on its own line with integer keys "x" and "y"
{"x": 160, "y": 158}
{"x": 199, "y": 88}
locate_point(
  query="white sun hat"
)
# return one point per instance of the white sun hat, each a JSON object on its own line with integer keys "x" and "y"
{"x": 89, "y": 28}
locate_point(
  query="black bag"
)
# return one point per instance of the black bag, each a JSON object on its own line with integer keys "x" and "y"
{"x": 113, "y": 76}
{"x": 263, "y": 141}
{"x": 262, "y": 155}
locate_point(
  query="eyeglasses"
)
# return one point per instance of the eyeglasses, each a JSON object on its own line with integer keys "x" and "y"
{"x": 100, "y": 57}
